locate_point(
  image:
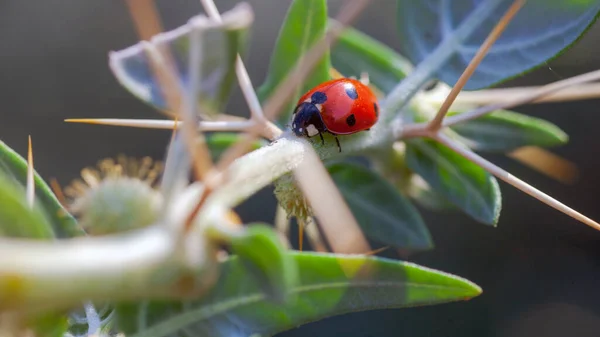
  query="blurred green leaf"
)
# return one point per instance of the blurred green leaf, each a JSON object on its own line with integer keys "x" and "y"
{"x": 17, "y": 219}
{"x": 218, "y": 142}
{"x": 261, "y": 252}
{"x": 382, "y": 212}
{"x": 449, "y": 34}
{"x": 329, "y": 285}
{"x": 220, "y": 44}
{"x": 304, "y": 25}
{"x": 465, "y": 184}
{"x": 63, "y": 223}
{"x": 356, "y": 52}
{"x": 506, "y": 130}
{"x": 427, "y": 197}
{"x": 49, "y": 325}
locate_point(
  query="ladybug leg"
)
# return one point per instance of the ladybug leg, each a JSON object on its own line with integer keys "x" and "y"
{"x": 322, "y": 140}
{"x": 338, "y": 143}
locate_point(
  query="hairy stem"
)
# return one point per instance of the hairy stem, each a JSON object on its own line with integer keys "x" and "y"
{"x": 37, "y": 275}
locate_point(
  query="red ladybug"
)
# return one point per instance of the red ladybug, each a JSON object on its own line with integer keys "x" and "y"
{"x": 340, "y": 107}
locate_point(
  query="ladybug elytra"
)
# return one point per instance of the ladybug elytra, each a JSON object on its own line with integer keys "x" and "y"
{"x": 341, "y": 107}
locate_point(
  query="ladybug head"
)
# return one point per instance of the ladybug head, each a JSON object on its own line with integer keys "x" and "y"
{"x": 307, "y": 120}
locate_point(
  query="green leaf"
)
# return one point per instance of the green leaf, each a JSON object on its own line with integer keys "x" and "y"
{"x": 218, "y": 142}
{"x": 220, "y": 43}
{"x": 356, "y": 52}
{"x": 449, "y": 33}
{"x": 17, "y": 219}
{"x": 262, "y": 254}
{"x": 63, "y": 223}
{"x": 304, "y": 25}
{"x": 329, "y": 285}
{"x": 49, "y": 325}
{"x": 465, "y": 184}
{"x": 427, "y": 197}
{"x": 506, "y": 130}
{"x": 382, "y": 212}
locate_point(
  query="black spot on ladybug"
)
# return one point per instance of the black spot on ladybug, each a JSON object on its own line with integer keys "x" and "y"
{"x": 376, "y": 109}
{"x": 351, "y": 120}
{"x": 351, "y": 91}
{"x": 318, "y": 97}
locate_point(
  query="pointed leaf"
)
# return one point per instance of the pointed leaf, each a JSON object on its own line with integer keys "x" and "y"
{"x": 506, "y": 130}
{"x": 355, "y": 52}
{"x": 17, "y": 219}
{"x": 220, "y": 44}
{"x": 382, "y": 212}
{"x": 261, "y": 252}
{"x": 330, "y": 285}
{"x": 218, "y": 142}
{"x": 465, "y": 184}
{"x": 454, "y": 30}
{"x": 304, "y": 25}
{"x": 63, "y": 223}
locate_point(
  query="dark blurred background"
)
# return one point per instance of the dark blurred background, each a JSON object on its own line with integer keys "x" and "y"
{"x": 540, "y": 270}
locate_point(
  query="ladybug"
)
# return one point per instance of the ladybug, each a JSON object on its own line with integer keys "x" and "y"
{"x": 341, "y": 107}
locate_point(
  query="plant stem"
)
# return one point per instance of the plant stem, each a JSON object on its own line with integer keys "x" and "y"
{"x": 38, "y": 275}
{"x": 512, "y": 180}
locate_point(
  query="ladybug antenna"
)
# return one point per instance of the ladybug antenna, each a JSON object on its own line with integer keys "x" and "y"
{"x": 338, "y": 143}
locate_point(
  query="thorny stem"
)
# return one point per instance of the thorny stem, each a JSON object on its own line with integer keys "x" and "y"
{"x": 512, "y": 180}
{"x": 483, "y": 50}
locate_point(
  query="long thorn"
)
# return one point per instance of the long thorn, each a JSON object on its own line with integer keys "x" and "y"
{"x": 512, "y": 180}
{"x": 499, "y": 95}
{"x": 164, "y": 124}
{"x": 30, "y": 176}
{"x": 526, "y": 98}
{"x": 339, "y": 226}
{"x": 436, "y": 123}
